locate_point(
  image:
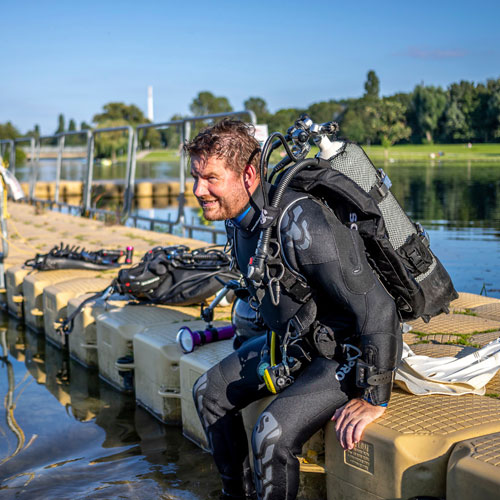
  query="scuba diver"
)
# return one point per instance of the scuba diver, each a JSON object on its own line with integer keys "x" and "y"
{"x": 333, "y": 333}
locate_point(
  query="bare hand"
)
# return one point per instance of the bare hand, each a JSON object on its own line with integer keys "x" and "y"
{"x": 351, "y": 420}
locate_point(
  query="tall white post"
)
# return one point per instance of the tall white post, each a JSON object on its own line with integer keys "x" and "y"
{"x": 150, "y": 104}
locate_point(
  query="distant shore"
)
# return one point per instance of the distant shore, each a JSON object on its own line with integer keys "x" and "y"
{"x": 404, "y": 152}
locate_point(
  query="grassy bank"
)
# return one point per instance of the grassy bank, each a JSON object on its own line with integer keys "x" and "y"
{"x": 478, "y": 152}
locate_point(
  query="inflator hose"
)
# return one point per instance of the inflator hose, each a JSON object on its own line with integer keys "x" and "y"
{"x": 278, "y": 195}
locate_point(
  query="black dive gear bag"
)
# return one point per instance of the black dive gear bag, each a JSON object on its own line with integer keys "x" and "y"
{"x": 176, "y": 275}
{"x": 66, "y": 257}
{"x": 397, "y": 248}
{"x": 172, "y": 275}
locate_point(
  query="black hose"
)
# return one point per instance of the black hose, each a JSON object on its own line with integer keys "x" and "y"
{"x": 265, "y": 236}
{"x": 269, "y": 147}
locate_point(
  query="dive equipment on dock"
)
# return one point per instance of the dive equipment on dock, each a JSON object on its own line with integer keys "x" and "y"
{"x": 343, "y": 177}
{"x": 72, "y": 257}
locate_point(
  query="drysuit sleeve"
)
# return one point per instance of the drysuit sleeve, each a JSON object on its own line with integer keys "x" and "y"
{"x": 331, "y": 257}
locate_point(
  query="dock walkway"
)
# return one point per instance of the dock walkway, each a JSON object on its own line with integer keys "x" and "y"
{"x": 434, "y": 446}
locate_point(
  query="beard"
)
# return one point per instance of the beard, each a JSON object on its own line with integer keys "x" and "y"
{"x": 224, "y": 207}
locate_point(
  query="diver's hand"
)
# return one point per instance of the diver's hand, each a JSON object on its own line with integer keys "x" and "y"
{"x": 351, "y": 420}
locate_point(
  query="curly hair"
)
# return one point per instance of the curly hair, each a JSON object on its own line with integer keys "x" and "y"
{"x": 229, "y": 139}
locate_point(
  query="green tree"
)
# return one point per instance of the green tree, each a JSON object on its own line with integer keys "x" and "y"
{"x": 388, "y": 119}
{"x": 72, "y": 140}
{"x": 111, "y": 144}
{"x": 34, "y": 133}
{"x": 9, "y": 131}
{"x": 492, "y": 116}
{"x": 80, "y": 139}
{"x": 130, "y": 114}
{"x": 60, "y": 124}
{"x": 455, "y": 125}
{"x": 458, "y": 117}
{"x": 170, "y": 137}
{"x": 205, "y": 103}
{"x": 259, "y": 107}
{"x": 324, "y": 111}
{"x": 372, "y": 85}
{"x": 428, "y": 104}
{"x": 355, "y": 124}
{"x": 283, "y": 119}
{"x": 117, "y": 114}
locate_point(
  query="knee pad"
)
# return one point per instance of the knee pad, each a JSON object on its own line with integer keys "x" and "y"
{"x": 265, "y": 435}
{"x": 207, "y": 397}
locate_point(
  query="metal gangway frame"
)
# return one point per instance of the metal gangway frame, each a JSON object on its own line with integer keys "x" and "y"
{"x": 86, "y": 208}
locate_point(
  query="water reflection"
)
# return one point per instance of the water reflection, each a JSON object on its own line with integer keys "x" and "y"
{"x": 451, "y": 193}
{"x": 82, "y": 439}
{"x": 74, "y": 170}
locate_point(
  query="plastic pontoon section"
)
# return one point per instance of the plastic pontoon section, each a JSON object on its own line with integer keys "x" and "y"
{"x": 14, "y": 278}
{"x": 193, "y": 366}
{"x": 157, "y": 374}
{"x": 405, "y": 453}
{"x": 82, "y": 341}
{"x": 56, "y": 298}
{"x": 33, "y": 286}
{"x": 116, "y": 330}
{"x": 474, "y": 469}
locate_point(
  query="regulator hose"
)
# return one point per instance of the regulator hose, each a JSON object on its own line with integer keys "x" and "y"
{"x": 262, "y": 245}
{"x": 268, "y": 148}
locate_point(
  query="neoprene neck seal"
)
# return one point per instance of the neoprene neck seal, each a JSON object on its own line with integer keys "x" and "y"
{"x": 248, "y": 219}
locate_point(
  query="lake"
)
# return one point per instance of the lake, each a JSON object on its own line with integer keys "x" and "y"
{"x": 66, "y": 434}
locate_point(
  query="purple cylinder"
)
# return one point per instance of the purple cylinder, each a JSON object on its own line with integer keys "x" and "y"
{"x": 189, "y": 339}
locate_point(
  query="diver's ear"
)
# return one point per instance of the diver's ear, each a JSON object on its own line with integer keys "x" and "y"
{"x": 250, "y": 177}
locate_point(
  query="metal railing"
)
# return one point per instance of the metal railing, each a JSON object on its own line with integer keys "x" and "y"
{"x": 61, "y": 140}
{"x": 32, "y": 142}
{"x": 86, "y": 208}
{"x": 90, "y": 172}
{"x": 12, "y": 153}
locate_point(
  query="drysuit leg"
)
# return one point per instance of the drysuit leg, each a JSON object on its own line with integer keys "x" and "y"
{"x": 289, "y": 421}
{"x": 219, "y": 396}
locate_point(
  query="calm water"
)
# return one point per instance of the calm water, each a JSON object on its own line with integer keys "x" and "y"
{"x": 67, "y": 435}
{"x": 71, "y": 436}
{"x": 74, "y": 170}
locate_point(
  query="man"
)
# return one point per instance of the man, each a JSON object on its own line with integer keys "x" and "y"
{"x": 350, "y": 317}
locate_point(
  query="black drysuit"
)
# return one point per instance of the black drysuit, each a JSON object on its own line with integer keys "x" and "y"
{"x": 350, "y": 300}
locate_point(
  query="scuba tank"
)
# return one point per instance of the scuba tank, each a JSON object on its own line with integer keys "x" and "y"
{"x": 343, "y": 177}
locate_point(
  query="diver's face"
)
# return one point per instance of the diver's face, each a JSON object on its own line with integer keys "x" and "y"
{"x": 220, "y": 191}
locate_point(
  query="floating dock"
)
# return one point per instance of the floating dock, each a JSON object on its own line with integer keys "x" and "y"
{"x": 434, "y": 446}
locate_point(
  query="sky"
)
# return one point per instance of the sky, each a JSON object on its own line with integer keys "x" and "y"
{"x": 74, "y": 57}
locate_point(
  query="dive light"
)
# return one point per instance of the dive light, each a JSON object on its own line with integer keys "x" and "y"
{"x": 189, "y": 339}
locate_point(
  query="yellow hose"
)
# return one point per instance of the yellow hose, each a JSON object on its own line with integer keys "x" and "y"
{"x": 273, "y": 348}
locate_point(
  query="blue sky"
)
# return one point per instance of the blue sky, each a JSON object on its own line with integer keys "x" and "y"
{"x": 73, "y": 57}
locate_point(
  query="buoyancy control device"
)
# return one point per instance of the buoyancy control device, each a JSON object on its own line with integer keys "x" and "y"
{"x": 343, "y": 177}
{"x": 73, "y": 257}
{"x": 174, "y": 275}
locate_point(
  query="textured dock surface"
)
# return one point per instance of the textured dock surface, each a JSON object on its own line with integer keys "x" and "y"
{"x": 32, "y": 230}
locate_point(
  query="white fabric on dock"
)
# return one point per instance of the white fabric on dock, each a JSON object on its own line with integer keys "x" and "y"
{"x": 469, "y": 374}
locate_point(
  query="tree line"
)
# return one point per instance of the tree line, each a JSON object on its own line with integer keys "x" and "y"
{"x": 463, "y": 112}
